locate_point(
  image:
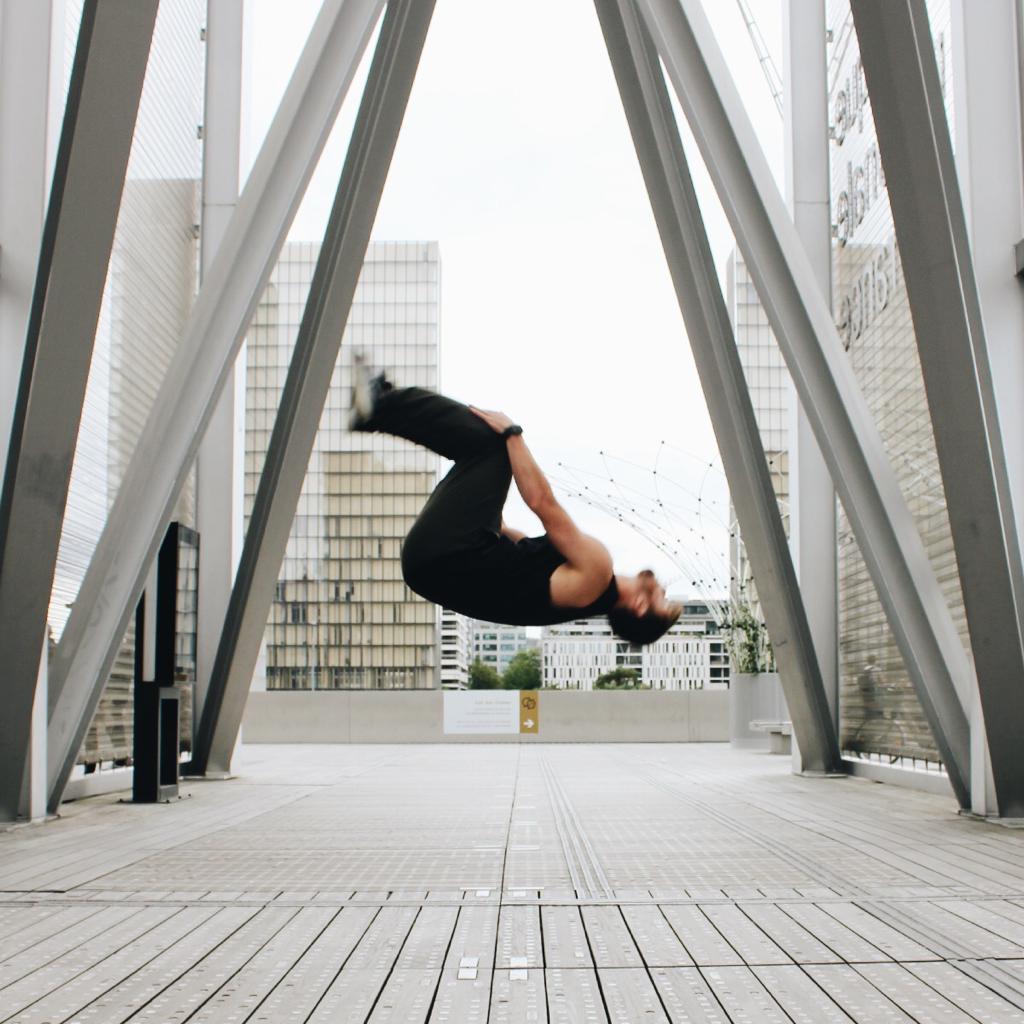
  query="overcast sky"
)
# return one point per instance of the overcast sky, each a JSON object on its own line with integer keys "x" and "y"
{"x": 556, "y": 305}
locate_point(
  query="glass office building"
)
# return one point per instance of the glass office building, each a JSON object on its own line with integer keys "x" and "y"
{"x": 879, "y": 711}
{"x": 342, "y": 617}
{"x": 771, "y": 395}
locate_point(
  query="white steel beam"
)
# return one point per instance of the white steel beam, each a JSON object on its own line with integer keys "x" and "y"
{"x": 25, "y": 27}
{"x": 92, "y": 159}
{"x": 676, "y": 209}
{"x": 198, "y": 371}
{"x": 905, "y": 89}
{"x": 812, "y": 497}
{"x": 219, "y": 466}
{"x": 309, "y": 375}
{"x": 802, "y": 321}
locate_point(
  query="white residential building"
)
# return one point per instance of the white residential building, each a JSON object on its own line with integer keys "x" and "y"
{"x": 456, "y": 650}
{"x": 497, "y": 645}
{"x": 691, "y": 656}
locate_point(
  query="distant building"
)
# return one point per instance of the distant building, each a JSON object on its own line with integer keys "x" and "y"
{"x": 497, "y": 645}
{"x": 769, "y": 385}
{"x": 456, "y": 650}
{"x": 691, "y": 656}
{"x": 342, "y": 616}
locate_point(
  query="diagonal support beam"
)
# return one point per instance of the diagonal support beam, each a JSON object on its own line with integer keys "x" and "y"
{"x": 92, "y": 161}
{"x": 659, "y": 149}
{"x": 309, "y": 375}
{"x": 799, "y": 315}
{"x": 197, "y": 373}
{"x": 903, "y": 82}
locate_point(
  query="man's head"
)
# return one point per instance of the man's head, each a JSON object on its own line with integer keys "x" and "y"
{"x": 642, "y": 613}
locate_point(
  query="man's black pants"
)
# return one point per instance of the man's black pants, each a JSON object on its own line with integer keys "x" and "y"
{"x": 460, "y": 524}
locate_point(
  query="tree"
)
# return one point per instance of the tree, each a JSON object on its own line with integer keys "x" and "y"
{"x": 483, "y": 677}
{"x": 619, "y": 679}
{"x": 523, "y": 672}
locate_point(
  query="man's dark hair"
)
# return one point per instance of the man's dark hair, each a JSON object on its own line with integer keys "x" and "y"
{"x": 642, "y": 629}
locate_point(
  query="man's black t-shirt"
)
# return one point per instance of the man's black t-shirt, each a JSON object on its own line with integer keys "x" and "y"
{"x": 499, "y": 580}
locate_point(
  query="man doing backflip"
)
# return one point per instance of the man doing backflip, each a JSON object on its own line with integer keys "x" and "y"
{"x": 460, "y": 554}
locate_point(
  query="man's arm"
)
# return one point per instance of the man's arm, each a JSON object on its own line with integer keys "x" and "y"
{"x": 588, "y": 560}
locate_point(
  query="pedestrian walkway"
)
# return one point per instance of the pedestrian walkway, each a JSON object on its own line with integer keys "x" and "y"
{"x": 540, "y": 883}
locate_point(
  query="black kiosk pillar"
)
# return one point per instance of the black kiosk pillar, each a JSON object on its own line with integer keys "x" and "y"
{"x": 164, "y": 663}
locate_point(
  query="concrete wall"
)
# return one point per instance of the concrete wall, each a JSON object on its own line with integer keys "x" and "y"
{"x": 416, "y": 716}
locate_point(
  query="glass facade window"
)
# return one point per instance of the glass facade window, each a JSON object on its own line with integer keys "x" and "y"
{"x": 151, "y": 285}
{"x": 342, "y": 616}
{"x": 879, "y": 711}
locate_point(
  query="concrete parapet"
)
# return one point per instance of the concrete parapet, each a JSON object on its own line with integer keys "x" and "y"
{"x": 417, "y": 716}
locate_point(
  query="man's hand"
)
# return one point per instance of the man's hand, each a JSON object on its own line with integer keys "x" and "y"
{"x": 497, "y": 421}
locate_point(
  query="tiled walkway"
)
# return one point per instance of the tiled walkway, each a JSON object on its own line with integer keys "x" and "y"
{"x": 467, "y": 884}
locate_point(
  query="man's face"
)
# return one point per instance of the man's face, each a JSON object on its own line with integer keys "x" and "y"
{"x": 650, "y": 595}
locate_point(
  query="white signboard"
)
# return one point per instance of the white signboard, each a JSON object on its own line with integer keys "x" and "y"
{"x": 481, "y": 712}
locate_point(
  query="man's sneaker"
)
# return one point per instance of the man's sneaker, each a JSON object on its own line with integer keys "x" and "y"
{"x": 367, "y": 387}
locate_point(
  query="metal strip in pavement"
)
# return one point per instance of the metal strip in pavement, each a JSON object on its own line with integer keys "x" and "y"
{"x": 519, "y": 937}
{"x": 475, "y": 935}
{"x": 856, "y": 995}
{"x": 303, "y": 987}
{"x": 351, "y": 996}
{"x": 919, "y": 1000}
{"x": 56, "y": 944}
{"x": 610, "y": 941}
{"x": 178, "y": 1001}
{"x": 237, "y": 999}
{"x": 516, "y": 998}
{"x": 658, "y": 944}
{"x": 407, "y": 996}
{"x": 844, "y": 942}
{"x": 878, "y": 933}
{"x": 796, "y": 941}
{"x": 380, "y": 945}
{"x": 461, "y": 1001}
{"x": 51, "y": 976}
{"x": 744, "y": 936}
{"x": 687, "y": 996}
{"x": 630, "y": 996}
{"x": 800, "y": 997}
{"x": 427, "y": 942}
{"x": 565, "y": 940}
{"x": 969, "y": 994}
{"x": 109, "y": 974}
{"x": 165, "y": 969}
{"x": 574, "y": 997}
{"x": 700, "y": 937}
{"x": 38, "y": 927}
{"x": 745, "y": 999}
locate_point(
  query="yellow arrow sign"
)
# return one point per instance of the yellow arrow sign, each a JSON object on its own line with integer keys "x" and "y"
{"x": 529, "y": 711}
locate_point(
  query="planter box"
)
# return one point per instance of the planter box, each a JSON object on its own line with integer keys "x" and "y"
{"x": 755, "y": 697}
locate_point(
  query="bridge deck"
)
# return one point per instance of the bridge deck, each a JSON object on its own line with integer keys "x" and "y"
{"x": 557, "y": 884}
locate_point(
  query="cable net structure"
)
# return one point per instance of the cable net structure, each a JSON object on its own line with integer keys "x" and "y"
{"x": 677, "y": 504}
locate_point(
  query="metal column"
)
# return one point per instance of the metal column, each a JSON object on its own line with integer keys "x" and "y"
{"x": 905, "y": 89}
{"x": 309, "y": 375}
{"x": 812, "y": 497}
{"x": 92, "y": 159}
{"x": 198, "y": 371}
{"x": 803, "y": 325}
{"x": 25, "y": 27}
{"x": 219, "y": 471}
{"x": 677, "y": 212}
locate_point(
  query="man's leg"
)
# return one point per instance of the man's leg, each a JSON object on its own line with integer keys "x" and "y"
{"x": 460, "y": 522}
{"x": 432, "y": 420}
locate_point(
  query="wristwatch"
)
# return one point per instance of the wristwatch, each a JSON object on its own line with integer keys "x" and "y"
{"x": 512, "y": 431}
